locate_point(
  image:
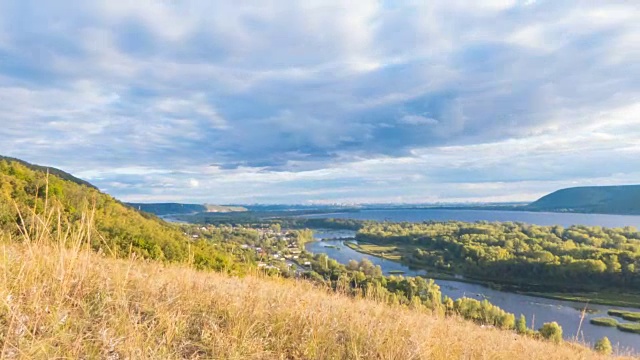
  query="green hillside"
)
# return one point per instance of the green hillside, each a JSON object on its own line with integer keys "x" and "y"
{"x": 53, "y": 171}
{"x": 592, "y": 199}
{"x": 119, "y": 229}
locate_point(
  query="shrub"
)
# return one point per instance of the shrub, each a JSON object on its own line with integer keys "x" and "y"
{"x": 551, "y": 331}
{"x": 603, "y": 346}
{"x": 521, "y": 325}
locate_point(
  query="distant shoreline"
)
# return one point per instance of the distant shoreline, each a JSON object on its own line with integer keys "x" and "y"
{"x": 478, "y": 208}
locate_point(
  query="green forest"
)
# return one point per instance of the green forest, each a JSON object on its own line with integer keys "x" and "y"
{"x": 547, "y": 258}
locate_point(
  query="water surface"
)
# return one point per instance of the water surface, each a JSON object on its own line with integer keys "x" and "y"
{"x": 541, "y": 310}
{"x": 538, "y": 218}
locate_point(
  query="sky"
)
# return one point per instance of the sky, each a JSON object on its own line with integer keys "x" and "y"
{"x": 327, "y": 101}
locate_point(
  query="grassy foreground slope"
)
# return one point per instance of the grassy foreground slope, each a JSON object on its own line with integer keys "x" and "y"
{"x": 68, "y": 302}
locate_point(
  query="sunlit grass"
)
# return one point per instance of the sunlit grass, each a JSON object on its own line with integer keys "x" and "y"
{"x": 58, "y": 299}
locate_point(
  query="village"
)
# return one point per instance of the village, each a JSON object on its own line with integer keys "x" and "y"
{"x": 272, "y": 248}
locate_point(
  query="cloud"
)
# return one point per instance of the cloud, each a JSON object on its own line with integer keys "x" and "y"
{"x": 489, "y": 92}
{"x": 417, "y": 120}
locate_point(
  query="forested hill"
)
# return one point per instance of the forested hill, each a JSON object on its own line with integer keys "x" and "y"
{"x": 592, "y": 199}
{"x": 53, "y": 171}
{"x": 119, "y": 229}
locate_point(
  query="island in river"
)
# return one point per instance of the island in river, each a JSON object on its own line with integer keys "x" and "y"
{"x": 537, "y": 309}
{"x": 573, "y": 262}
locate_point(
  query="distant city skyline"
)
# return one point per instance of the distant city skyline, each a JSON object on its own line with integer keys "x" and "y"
{"x": 324, "y": 101}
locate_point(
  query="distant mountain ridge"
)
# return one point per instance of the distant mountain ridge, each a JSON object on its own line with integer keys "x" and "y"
{"x": 161, "y": 209}
{"x": 619, "y": 200}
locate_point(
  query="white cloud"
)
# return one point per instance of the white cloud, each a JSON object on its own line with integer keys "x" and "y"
{"x": 323, "y": 95}
{"x": 195, "y": 106}
{"x": 417, "y": 120}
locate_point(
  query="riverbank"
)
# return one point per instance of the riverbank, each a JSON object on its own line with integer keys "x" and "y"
{"x": 394, "y": 253}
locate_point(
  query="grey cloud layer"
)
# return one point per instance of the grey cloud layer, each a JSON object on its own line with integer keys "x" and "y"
{"x": 199, "y": 91}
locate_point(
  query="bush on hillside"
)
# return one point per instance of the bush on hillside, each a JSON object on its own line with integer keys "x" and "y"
{"x": 603, "y": 346}
{"x": 551, "y": 331}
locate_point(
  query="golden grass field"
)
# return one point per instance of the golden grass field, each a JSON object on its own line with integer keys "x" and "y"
{"x": 60, "y": 300}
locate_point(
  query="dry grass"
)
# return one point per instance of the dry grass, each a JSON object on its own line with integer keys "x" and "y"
{"x": 60, "y": 300}
{"x": 60, "y": 303}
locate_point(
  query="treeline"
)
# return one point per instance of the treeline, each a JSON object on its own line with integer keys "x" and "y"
{"x": 553, "y": 257}
{"x": 322, "y": 223}
{"x": 118, "y": 229}
{"x": 365, "y": 279}
{"x": 287, "y": 219}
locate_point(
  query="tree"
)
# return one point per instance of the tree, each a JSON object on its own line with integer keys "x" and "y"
{"x": 353, "y": 265}
{"x": 551, "y": 331}
{"x": 275, "y": 228}
{"x": 521, "y": 325}
{"x": 603, "y": 346}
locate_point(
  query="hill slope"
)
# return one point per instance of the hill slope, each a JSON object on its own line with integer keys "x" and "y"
{"x": 592, "y": 199}
{"x": 72, "y": 303}
{"x": 53, "y": 171}
{"x": 119, "y": 229}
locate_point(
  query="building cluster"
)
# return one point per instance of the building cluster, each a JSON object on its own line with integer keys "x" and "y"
{"x": 273, "y": 248}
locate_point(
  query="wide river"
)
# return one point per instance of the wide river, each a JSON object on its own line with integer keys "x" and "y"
{"x": 538, "y": 218}
{"x": 566, "y": 313}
